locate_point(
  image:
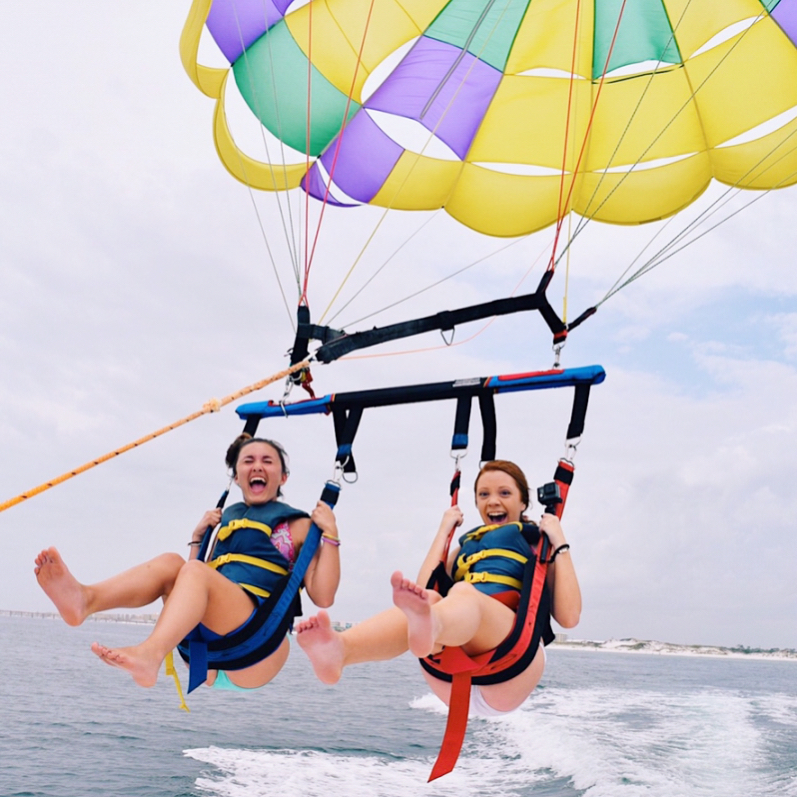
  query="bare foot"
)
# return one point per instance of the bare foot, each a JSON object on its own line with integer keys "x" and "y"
{"x": 62, "y": 588}
{"x": 323, "y": 646}
{"x": 414, "y": 602}
{"x": 142, "y": 667}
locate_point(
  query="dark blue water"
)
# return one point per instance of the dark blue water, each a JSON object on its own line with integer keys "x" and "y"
{"x": 602, "y": 725}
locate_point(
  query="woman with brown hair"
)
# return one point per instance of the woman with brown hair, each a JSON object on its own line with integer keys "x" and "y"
{"x": 478, "y": 612}
{"x": 257, "y": 545}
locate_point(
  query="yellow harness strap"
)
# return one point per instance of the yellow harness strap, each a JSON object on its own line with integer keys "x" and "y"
{"x": 480, "y": 578}
{"x": 169, "y": 662}
{"x": 464, "y": 563}
{"x": 249, "y": 560}
{"x": 243, "y": 523}
{"x": 477, "y": 534}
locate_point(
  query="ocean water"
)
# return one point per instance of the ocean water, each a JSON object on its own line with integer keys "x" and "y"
{"x": 601, "y": 725}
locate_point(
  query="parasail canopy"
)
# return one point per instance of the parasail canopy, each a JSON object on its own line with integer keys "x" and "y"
{"x": 510, "y": 113}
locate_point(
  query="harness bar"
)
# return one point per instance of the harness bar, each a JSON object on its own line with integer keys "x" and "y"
{"x": 336, "y": 343}
{"x": 435, "y": 391}
{"x": 347, "y": 408}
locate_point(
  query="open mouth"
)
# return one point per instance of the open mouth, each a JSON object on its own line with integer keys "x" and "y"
{"x": 257, "y": 484}
{"x": 497, "y": 517}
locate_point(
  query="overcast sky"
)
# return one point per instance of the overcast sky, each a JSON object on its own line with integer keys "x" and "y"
{"x": 136, "y": 286}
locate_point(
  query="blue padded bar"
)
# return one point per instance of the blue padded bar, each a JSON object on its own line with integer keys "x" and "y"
{"x": 411, "y": 394}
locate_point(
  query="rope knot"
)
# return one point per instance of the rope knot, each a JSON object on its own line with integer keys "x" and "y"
{"x": 214, "y": 405}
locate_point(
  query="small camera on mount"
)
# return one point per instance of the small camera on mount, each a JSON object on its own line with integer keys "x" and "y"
{"x": 548, "y": 495}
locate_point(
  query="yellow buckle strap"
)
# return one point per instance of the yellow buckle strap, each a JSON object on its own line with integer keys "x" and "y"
{"x": 477, "y": 534}
{"x": 464, "y": 563}
{"x": 249, "y": 560}
{"x": 482, "y": 578}
{"x": 169, "y": 662}
{"x": 243, "y": 523}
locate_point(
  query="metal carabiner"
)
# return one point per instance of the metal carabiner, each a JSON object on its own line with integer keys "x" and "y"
{"x": 571, "y": 449}
{"x": 457, "y": 456}
{"x": 557, "y": 354}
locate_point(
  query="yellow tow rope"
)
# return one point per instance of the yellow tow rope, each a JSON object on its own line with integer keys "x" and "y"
{"x": 214, "y": 405}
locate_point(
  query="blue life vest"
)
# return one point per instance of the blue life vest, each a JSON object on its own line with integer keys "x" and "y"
{"x": 243, "y": 551}
{"x": 493, "y": 558}
{"x": 245, "y": 554}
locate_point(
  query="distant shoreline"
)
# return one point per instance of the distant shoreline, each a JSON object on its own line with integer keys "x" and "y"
{"x": 651, "y": 647}
{"x": 641, "y": 646}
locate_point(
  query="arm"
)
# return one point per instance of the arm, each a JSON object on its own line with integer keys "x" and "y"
{"x": 452, "y": 518}
{"x": 562, "y": 581}
{"x": 323, "y": 575}
{"x": 211, "y": 518}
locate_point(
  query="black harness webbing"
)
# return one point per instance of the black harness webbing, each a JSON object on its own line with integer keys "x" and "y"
{"x": 336, "y": 343}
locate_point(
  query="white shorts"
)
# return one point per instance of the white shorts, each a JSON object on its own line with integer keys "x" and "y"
{"x": 479, "y": 707}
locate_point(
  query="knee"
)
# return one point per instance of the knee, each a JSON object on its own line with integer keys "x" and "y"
{"x": 462, "y": 589}
{"x": 192, "y": 568}
{"x": 169, "y": 562}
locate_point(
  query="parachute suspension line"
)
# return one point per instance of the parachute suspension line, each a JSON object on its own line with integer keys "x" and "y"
{"x": 303, "y": 288}
{"x": 561, "y": 210}
{"x": 454, "y": 274}
{"x": 411, "y": 168}
{"x": 339, "y": 142}
{"x": 553, "y": 261}
{"x": 286, "y": 228}
{"x": 668, "y": 251}
{"x": 291, "y": 231}
{"x": 567, "y": 269}
{"x": 370, "y": 279}
{"x": 258, "y": 216}
{"x": 458, "y": 60}
{"x": 585, "y": 220}
{"x": 586, "y": 215}
{"x": 214, "y": 405}
{"x": 566, "y": 143}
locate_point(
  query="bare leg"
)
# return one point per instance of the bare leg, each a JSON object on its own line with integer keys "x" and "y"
{"x": 465, "y": 617}
{"x": 423, "y": 626}
{"x": 136, "y": 587}
{"x": 381, "y": 637}
{"x": 508, "y": 695}
{"x": 199, "y": 594}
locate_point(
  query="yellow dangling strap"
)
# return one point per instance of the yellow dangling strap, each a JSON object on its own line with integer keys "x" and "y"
{"x": 169, "y": 662}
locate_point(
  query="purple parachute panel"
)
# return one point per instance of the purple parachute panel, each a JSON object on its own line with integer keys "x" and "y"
{"x": 364, "y": 160}
{"x": 457, "y": 88}
{"x": 785, "y": 14}
{"x": 314, "y": 184}
{"x": 235, "y": 24}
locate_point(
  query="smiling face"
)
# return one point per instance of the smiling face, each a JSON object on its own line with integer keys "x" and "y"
{"x": 498, "y": 498}
{"x": 259, "y": 473}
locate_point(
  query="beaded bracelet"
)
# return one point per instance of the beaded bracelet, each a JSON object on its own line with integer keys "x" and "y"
{"x": 330, "y": 539}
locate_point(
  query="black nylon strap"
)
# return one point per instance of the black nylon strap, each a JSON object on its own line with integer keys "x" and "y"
{"x": 347, "y": 421}
{"x": 250, "y": 427}
{"x": 579, "y": 412}
{"x": 461, "y": 423}
{"x": 446, "y": 320}
{"x": 489, "y": 425}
